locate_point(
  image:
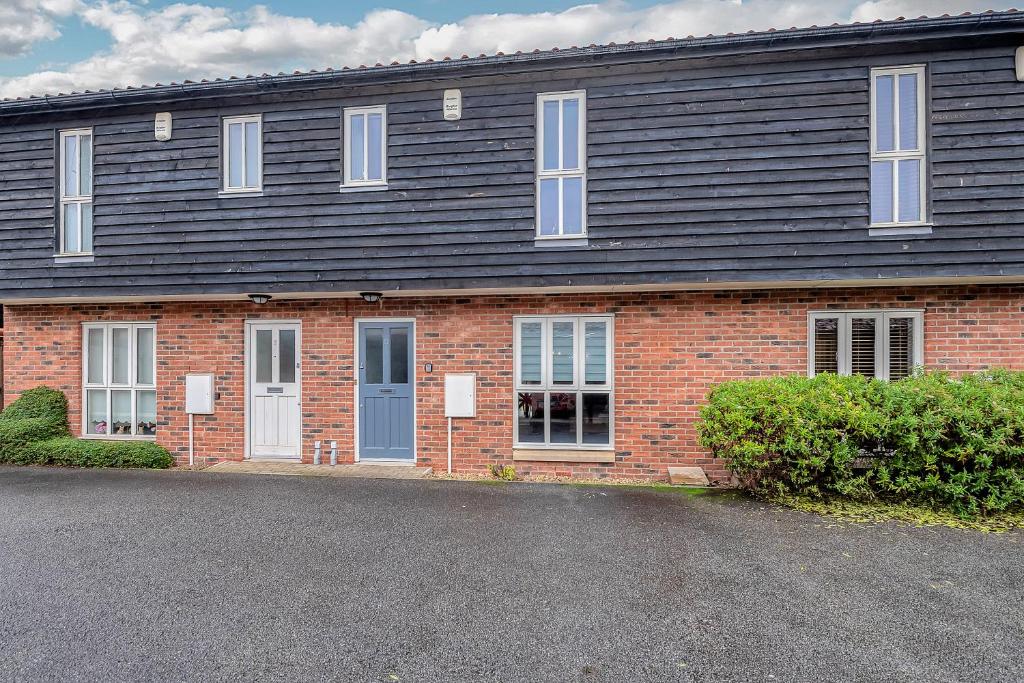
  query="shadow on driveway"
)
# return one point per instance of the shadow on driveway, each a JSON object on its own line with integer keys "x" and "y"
{"x": 116, "y": 575}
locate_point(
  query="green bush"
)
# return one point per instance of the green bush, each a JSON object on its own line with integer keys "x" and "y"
{"x": 929, "y": 439}
{"x": 70, "y": 452}
{"x": 34, "y": 431}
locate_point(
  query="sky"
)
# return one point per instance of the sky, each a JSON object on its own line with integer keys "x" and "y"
{"x": 51, "y": 46}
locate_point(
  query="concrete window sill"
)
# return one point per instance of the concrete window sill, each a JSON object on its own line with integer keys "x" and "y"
{"x": 552, "y": 455}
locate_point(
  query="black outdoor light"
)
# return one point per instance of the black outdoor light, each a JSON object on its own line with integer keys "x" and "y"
{"x": 259, "y": 299}
{"x": 371, "y": 297}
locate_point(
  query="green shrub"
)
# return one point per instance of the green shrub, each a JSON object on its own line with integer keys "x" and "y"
{"x": 927, "y": 439}
{"x": 504, "y": 472}
{"x": 70, "y": 452}
{"x": 34, "y": 431}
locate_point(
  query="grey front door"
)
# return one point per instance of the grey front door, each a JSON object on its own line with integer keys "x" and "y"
{"x": 386, "y": 392}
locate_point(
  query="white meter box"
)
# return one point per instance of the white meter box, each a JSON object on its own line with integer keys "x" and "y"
{"x": 460, "y": 394}
{"x": 199, "y": 394}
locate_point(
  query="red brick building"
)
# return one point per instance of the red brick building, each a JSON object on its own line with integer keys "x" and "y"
{"x": 805, "y": 209}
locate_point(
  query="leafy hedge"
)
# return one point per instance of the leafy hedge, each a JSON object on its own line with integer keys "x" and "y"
{"x": 34, "y": 431}
{"x": 957, "y": 443}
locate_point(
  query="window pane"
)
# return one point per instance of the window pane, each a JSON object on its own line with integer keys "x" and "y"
{"x": 549, "y": 206}
{"x": 908, "y": 111}
{"x": 144, "y": 351}
{"x": 357, "y": 141}
{"x": 595, "y": 344}
{"x": 400, "y": 356}
{"x": 596, "y": 422}
{"x": 572, "y": 206}
{"x": 86, "y": 164}
{"x": 71, "y": 243}
{"x": 530, "y": 418}
{"x": 826, "y": 345}
{"x": 234, "y": 155}
{"x": 121, "y": 349}
{"x": 145, "y": 413}
{"x": 884, "y": 114}
{"x": 264, "y": 356}
{"x": 86, "y": 210}
{"x": 550, "y": 140}
{"x": 562, "y": 347}
{"x": 121, "y": 412}
{"x": 252, "y": 154}
{"x": 375, "y": 135}
{"x": 286, "y": 356}
{"x": 563, "y": 418}
{"x": 71, "y": 166}
{"x": 881, "y": 192}
{"x": 94, "y": 337}
{"x": 530, "y": 352}
{"x": 901, "y": 347}
{"x": 862, "y": 346}
{"x": 910, "y": 190}
{"x": 374, "y": 361}
{"x": 570, "y": 134}
{"x": 96, "y": 412}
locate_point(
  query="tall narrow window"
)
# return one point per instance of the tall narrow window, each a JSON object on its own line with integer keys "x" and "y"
{"x": 366, "y": 155}
{"x": 561, "y": 164}
{"x": 563, "y": 382}
{"x": 119, "y": 379}
{"x": 898, "y": 159}
{"x": 243, "y": 154}
{"x": 882, "y": 344}
{"x": 75, "y": 191}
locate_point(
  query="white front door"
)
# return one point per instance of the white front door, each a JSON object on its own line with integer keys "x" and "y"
{"x": 272, "y": 364}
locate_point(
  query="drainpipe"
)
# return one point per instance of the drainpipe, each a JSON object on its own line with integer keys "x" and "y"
{"x": 191, "y": 443}
{"x": 449, "y": 445}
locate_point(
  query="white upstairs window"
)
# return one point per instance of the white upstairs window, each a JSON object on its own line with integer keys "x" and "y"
{"x": 243, "y": 154}
{"x": 887, "y": 344}
{"x": 561, "y": 164}
{"x": 365, "y": 131}
{"x": 898, "y": 159}
{"x": 75, "y": 191}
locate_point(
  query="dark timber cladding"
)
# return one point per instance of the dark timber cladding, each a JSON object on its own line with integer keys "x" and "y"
{"x": 704, "y": 167}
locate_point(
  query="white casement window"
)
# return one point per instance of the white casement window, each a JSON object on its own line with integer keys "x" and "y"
{"x": 562, "y": 164}
{"x": 365, "y": 131}
{"x": 563, "y": 381}
{"x": 75, "y": 191}
{"x": 898, "y": 160}
{"x": 243, "y": 153}
{"x": 119, "y": 373}
{"x": 887, "y": 344}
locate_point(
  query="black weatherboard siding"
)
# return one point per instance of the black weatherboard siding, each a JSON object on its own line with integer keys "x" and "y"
{"x": 721, "y": 162}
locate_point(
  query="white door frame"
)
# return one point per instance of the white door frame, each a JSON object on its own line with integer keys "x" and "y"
{"x": 249, "y": 324}
{"x": 355, "y": 385}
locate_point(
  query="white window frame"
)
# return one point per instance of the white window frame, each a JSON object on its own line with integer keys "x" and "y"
{"x": 347, "y": 182}
{"x": 895, "y": 156}
{"x": 578, "y": 386}
{"x": 244, "y": 188}
{"x": 108, "y": 385}
{"x": 581, "y": 172}
{"x": 74, "y": 202}
{"x": 881, "y": 318}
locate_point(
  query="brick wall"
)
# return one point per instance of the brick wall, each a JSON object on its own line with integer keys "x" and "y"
{"x": 669, "y": 349}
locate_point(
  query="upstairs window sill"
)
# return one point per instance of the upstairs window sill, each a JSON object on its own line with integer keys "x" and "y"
{"x": 561, "y": 241}
{"x": 896, "y": 229}
{"x": 369, "y": 187}
{"x": 83, "y": 257}
{"x": 242, "y": 192}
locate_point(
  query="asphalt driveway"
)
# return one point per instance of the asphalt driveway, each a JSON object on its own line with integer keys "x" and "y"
{"x": 108, "y": 575}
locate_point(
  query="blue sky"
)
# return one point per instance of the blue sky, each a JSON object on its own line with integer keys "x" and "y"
{"x": 51, "y": 46}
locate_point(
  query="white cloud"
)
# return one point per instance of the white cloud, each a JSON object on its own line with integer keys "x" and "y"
{"x": 23, "y": 23}
{"x": 192, "y": 41}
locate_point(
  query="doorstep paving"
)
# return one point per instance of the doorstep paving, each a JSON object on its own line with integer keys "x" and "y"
{"x": 109, "y": 575}
{"x": 277, "y": 467}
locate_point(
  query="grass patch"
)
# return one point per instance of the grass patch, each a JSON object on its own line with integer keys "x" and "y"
{"x": 914, "y": 515}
